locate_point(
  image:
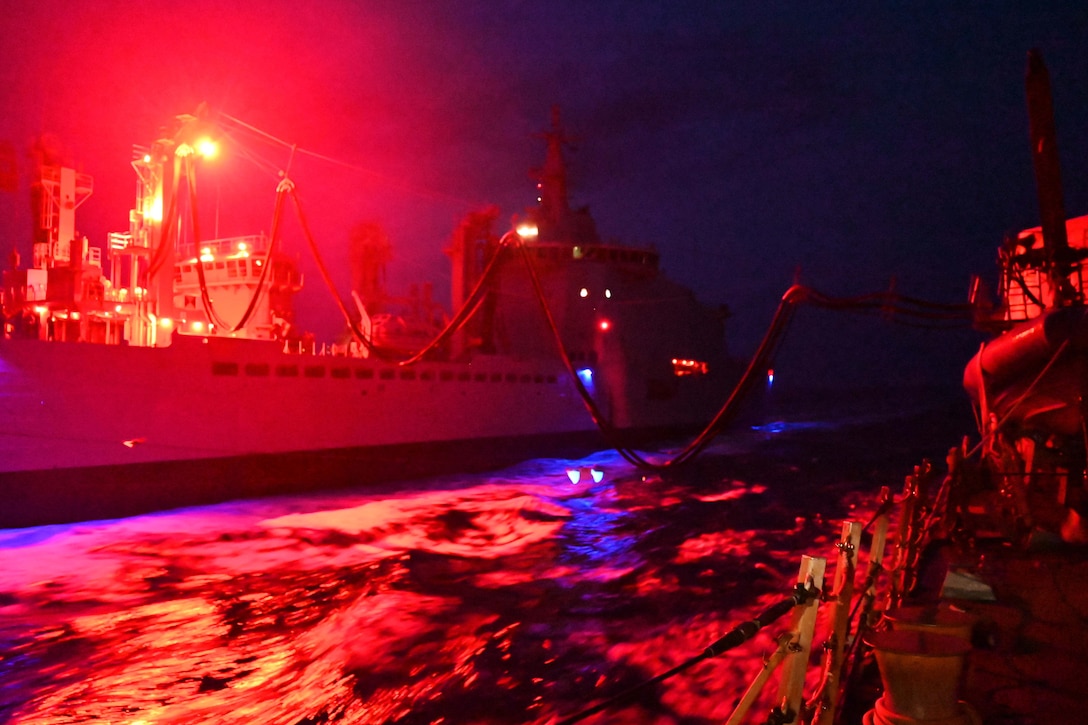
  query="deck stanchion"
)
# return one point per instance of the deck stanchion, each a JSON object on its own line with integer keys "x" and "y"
{"x": 845, "y": 568}
{"x": 866, "y": 618}
{"x": 876, "y": 555}
{"x": 769, "y": 666}
{"x": 906, "y": 535}
{"x": 791, "y": 687}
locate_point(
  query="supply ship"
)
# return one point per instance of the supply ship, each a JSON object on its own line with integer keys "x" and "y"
{"x": 169, "y": 370}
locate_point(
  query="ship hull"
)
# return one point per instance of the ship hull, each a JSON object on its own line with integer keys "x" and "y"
{"x": 91, "y": 431}
{"x": 60, "y": 495}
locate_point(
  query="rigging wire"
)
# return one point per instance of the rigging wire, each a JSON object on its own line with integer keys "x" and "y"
{"x": 888, "y": 304}
{"x": 169, "y": 228}
{"x": 321, "y": 267}
{"x": 387, "y": 181}
{"x": 205, "y": 298}
{"x": 884, "y": 302}
{"x": 266, "y": 266}
{"x": 467, "y": 311}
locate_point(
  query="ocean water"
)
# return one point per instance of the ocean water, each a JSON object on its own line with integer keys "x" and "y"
{"x": 517, "y": 596}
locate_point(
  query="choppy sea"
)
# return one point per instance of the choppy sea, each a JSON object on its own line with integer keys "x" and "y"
{"x": 517, "y": 596}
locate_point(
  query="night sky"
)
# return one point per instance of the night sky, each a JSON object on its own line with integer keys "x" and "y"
{"x": 745, "y": 140}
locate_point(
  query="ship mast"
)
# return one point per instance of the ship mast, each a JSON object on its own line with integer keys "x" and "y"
{"x": 158, "y": 220}
{"x": 554, "y": 207}
{"x": 555, "y": 220}
{"x": 1048, "y": 180}
{"x": 160, "y": 283}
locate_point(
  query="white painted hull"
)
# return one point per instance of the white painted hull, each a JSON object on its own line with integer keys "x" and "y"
{"x": 71, "y": 405}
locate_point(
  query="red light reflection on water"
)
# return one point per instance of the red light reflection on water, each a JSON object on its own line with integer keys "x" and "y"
{"x": 505, "y": 600}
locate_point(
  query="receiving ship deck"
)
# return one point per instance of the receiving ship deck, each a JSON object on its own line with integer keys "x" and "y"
{"x": 1027, "y": 664}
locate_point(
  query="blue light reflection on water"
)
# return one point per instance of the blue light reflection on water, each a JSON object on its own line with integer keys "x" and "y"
{"x": 782, "y": 426}
{"x": 590, "y": 536}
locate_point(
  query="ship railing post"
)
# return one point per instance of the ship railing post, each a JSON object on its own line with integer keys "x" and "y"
{"x": 770, "y": 664}
{"x": 866, "y": 617}
{"x": 803, "y": 626}
{"x": 913, "y": 531}
{"x": 905, "y": 535}
{"x": 876, "y": 556}
{"x": 845, "y": 569}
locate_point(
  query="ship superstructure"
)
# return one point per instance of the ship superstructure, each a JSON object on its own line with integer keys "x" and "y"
{"x": 1029, "y": 382}
{"x": 180, "y": 374}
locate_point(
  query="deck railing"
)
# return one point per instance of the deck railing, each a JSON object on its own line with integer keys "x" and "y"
{"x": 856, "y": 611}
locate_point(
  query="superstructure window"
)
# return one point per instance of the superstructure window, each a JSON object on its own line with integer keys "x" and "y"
{"x": 224, "y": 368}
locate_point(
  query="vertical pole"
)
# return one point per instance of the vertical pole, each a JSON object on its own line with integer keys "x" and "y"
{"x": 845, "y": 567}
{"x": 876, "y": 556}
{"x": 163, "y": 237}
{"x": 901, "y": 581}
{"x": 792, "y": 685}
{"x": 875, "y": 566}
{"x": 769, "y": 666}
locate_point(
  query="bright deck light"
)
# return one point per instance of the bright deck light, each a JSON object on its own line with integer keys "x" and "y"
{"x": 527, "y": 231}
{"x": 207, "y": 148}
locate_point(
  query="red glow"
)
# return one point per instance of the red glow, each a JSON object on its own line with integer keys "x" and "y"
{"x": 604, "y": 325}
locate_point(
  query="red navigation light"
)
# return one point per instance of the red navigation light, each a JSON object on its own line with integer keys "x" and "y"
{"x": 604, "y": 325}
